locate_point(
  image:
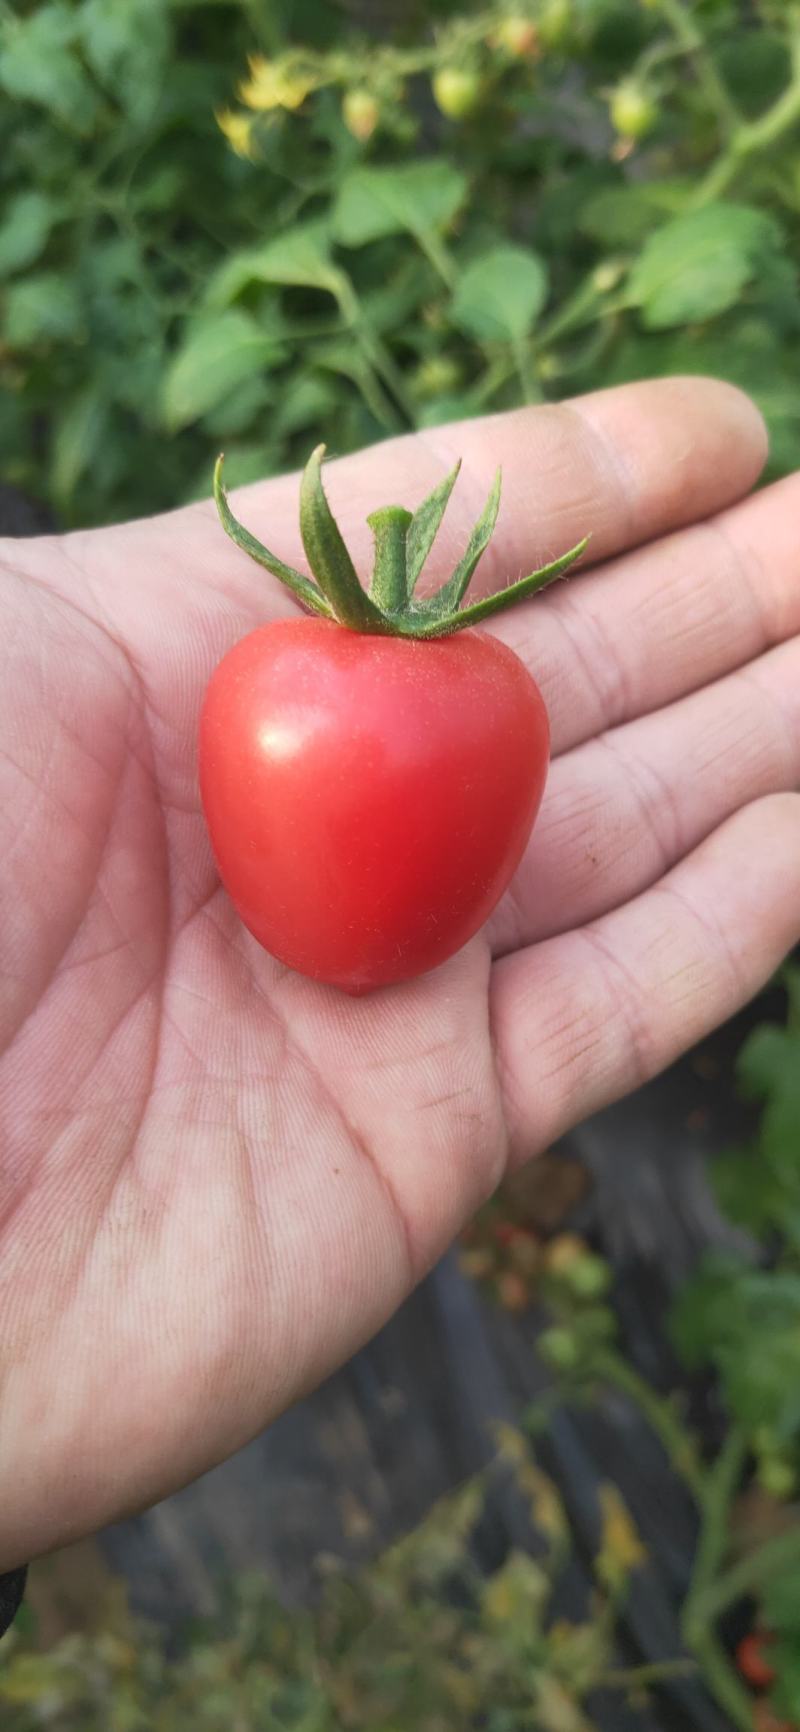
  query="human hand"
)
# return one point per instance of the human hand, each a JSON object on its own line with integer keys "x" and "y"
{"x": 217, "y": 1178}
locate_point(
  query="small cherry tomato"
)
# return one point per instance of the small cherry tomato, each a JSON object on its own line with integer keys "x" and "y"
{"x": 369, "y": 798}
{"x": 633, "y": 111}
{"x": 752, "y": 1661}
{"x": 517, "y": 36}
{"x": 457, "y": 90}
{"x": 361, "y": 113}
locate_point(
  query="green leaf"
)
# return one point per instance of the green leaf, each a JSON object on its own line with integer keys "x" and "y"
{"x": 299, "y": 259}
{"x": 40, "y": 309}
{"x": 24, "y": 231}
{"x": 746, "y": 1193}
{"x": 454, "y": 406}
{"x": 125, "y": 43}
{"x": 417, "y": 198}
{"x": 756, "y": 66}
{"x": 785, "y": 1657}
{"x": 746, "y": 1323}
{"x": 38, "y": 64}
{"x": 243, "y": 407}
{"x": 424, "y": 526}
{"x": 499, "y": 296}
{"x": 306, "y": 400}
{"x": 705, "y": 1306}
{"x": 622, "y": 216}
{"x": 78, "y": 435}
{"x": 780, "y": 1599}
{"x": 219, "y": 351}
{"x": 698, "y": 265}
{"x": 747, "y": 352}
{"x": 516, "y": 1595}
{"x": 767, "y": 1060}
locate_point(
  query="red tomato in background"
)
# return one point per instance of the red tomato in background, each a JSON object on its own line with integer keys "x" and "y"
{"x": 369, "y": 798}
{"x": 753, "y": 1661}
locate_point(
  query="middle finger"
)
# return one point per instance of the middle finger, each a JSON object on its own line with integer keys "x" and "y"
{"x": 623, "y": 809}
{"x": 656, "y": 624}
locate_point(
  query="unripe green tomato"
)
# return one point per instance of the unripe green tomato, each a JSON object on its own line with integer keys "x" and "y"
{"x": 776, "y": 1476}
{"x": 517, "y": 36}
{"x": 554, "y": 24}
{"x": 548, "y": 365}
{"x": 607, "y": 276}
{"x": 457, "y": 91}
{"x": 559, "y": 1348}
{"x": 360, "y": 113}
{"x": 590, "y": 1278}
{"x": 437, "y": 376}
{"x": 633, "y": 111}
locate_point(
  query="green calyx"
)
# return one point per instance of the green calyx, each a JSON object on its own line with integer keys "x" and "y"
{"x": 403, "y": 540}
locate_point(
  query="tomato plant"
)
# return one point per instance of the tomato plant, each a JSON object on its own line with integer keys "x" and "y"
{"x": 369, "y": 778}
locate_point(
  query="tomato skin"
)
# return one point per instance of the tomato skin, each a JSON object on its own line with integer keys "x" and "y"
{"x": 369, "y": 798}
{"x": 752, "y": 1660}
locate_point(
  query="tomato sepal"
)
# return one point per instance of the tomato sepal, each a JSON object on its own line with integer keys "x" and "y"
{"x": 402, "y": 542}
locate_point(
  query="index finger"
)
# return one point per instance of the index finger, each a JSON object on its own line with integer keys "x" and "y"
{"x": 623, "y": 465}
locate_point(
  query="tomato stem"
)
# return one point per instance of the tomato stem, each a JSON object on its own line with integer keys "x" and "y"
{"x": 389, "y": 587}
{"x": 403, "y": 541}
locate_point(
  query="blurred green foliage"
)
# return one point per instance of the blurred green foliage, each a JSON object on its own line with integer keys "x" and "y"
{"x": 421, "y": 1640}
{"x": 378, "y": 221}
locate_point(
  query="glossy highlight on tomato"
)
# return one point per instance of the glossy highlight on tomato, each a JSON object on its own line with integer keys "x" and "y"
{"x": 369, "y": 797}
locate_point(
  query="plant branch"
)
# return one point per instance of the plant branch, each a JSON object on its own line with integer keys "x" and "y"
{"x": 721, "y": 1483}
{"x": 748, "y": 1574}
{"x": 752, "y": 137}
{"x": 690, "y": 39}
{"x": 660, "y": 1415}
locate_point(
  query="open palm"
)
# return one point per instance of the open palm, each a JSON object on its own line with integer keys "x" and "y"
{"x": 217, "y": 1178}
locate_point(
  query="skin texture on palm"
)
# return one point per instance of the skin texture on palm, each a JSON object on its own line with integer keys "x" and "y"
{"x": 216, "y": 1178}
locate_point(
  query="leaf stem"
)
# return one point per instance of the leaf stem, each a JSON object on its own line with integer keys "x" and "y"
{"x": 722, "y": 1681}
{"x": 651, "y": 1672}
{"x": 753, "y": 136}
{"x": 531, "y": 389}
{"x": 720, "y": 1482}
{"x": 660, "y": 1413}
{"x": 437, "y": 255}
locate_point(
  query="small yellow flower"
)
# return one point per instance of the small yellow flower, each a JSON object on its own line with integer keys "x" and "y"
{"x": 238, "y": 129}
{"x": 274, "y": 85}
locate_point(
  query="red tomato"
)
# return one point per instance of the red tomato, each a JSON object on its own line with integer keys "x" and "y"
{"x": 369, "y": 798}
{"x": 752, "y": 1660}
{"x": 766, "y": 1720}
